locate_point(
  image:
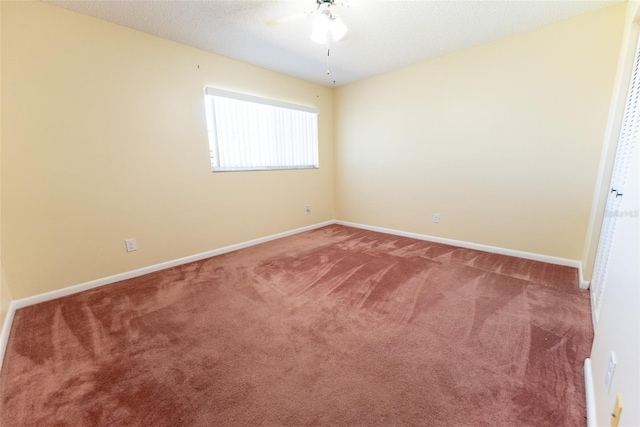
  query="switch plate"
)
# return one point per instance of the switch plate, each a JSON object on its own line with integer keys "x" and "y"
{"x": 307, "y": 210}
{"x": 611, "y": 368}
{"x": 436, "y": 218}
{"x": 131, "y": 245}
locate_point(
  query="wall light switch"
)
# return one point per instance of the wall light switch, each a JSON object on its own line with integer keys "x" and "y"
{"x": 436, "y": 218}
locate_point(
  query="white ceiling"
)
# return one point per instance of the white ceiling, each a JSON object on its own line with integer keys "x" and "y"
{"x": 383, "y": 35}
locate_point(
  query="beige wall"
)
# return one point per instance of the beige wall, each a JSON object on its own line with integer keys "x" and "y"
{"x": 5, "y": 299}
{"x": 503, "y": 139}
{"x": 5, "y": 295}
{"x": 104, "y": 138}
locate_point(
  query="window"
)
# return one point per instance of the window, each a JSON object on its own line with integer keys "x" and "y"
{"x": 251, "y": 133}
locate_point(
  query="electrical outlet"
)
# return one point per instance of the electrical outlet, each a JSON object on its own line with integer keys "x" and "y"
{"x": 436, "y": 218}
{"x": 307, "y": 210}
{"x": 611, "y": 368}
{"x": 131, "y": 245}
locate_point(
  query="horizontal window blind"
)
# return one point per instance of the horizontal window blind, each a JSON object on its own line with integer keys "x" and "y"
{"x": 252, "y": 133}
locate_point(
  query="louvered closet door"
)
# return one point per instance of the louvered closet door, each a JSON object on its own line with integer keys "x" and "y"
{"x": 627, "y": 143}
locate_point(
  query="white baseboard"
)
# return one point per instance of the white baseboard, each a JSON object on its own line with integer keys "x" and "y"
{"x": 48, "y": 296}
{"x": 584, "y": 284}
{"x": 477, "y": 246}
{"x": 594, "y": 312}
{"x": 58, "y": 293}
{"x": 589, "y": 394}
{"x": 6, "y": 328}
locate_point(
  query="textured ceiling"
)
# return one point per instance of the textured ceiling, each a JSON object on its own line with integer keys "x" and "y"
{"x": 383, "y": 35}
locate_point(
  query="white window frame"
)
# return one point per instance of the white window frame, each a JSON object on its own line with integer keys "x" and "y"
{"x": 275, "y": 155}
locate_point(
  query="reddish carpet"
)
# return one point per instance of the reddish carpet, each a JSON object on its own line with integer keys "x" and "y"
{"x": 336, "y": 326}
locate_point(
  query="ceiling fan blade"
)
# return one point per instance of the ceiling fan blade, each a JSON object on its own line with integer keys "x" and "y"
{"x": 289, "y": 18}
{"x": 349, "y": 3}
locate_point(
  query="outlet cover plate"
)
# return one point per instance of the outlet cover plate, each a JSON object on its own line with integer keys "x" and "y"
{"x": 611, "y": 368}
{"x": 131, "y": 245}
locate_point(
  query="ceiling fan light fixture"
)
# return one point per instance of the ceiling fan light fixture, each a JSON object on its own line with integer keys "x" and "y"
{"x": 337, "y": 28}
{"x": 320, "y": 38}
{"x": 325, "y": 24}
{"x": 321, "y": 26}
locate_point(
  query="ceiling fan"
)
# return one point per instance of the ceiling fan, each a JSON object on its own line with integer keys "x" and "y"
{"x": 325, "y": 24}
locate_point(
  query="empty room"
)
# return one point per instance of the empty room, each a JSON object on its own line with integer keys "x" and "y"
{"x": 319, "y": 213}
